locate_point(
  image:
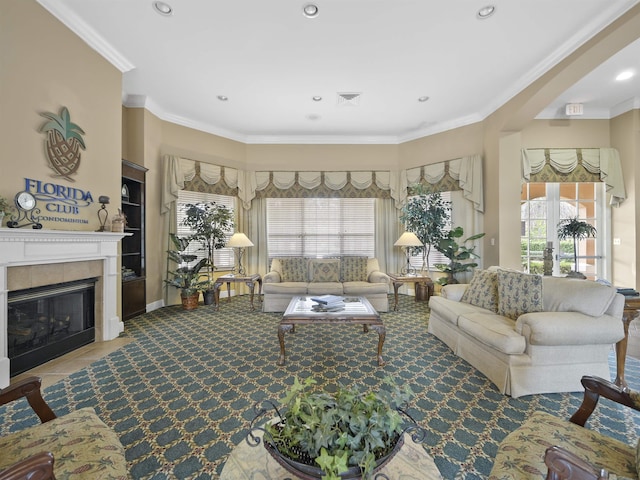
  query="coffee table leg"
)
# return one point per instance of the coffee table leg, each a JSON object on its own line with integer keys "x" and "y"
{"x": 282, "y": 329}
{"x": 382, "y": 333}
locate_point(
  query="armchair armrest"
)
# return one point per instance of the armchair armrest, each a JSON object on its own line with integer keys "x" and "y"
{"x": 29, "y": 388}
{"x": 379, "y": 277}
{"x": 35, "y": 467}
{"x": 594, "y": 387}
{"x": 564, "y": 465}
{"x": 271, "y": 277}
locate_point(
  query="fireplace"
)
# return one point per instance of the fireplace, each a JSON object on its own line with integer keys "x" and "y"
{"x": 33, "y": 259}
{"x": 47, "y": 322}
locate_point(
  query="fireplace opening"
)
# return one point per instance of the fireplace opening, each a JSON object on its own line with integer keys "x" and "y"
{"x": 47, "y": 322}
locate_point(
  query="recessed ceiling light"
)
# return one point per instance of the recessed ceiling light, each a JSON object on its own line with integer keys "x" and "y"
{"x": 486, "y": 12}
{"x": 313, "y": 117}
{"x": 316, "y": 98}
{"x": 310, "y": 10}
{"x": 223, "y": 98}
{"x": 423, "y": 99}
{"x": 626, "y": 75}
{"x": 163, "y": 8}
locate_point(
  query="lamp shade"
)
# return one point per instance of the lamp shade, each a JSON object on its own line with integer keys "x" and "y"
{"x": 239, "y": 240}
{"x": 408, "y": 239}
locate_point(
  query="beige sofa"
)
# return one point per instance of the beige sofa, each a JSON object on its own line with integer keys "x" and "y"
{"x": 530, "y": 334}
{"x": 347, "y": 276}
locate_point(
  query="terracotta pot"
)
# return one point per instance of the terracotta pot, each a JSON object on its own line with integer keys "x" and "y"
{"x": 190, "y": 302}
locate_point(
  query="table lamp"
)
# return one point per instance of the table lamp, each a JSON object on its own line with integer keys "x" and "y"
{"x": 239, "y": 241}
{"x": 406, "y": 241}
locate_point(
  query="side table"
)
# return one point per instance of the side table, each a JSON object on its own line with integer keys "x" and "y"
{"x": 397, "y": 279}
{"x": 631, "y": 306}
{"x": 249, "y": 280}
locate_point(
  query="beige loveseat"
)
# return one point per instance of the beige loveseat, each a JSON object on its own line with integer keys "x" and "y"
{"x": 347, "y": 276}
{"x": 530, "y": 334}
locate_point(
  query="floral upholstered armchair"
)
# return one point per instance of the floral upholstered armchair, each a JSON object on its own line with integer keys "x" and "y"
{"x": 76, "y": 445}
{"x": 549, "y": 447}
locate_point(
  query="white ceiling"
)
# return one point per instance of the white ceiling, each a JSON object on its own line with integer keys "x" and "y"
{"x": 270, "y": 60}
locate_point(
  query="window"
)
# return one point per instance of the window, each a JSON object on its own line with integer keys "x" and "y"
{"x": 223, "y": 258}
{"x": 543, "y": 206}
{"x": 318, "y": 227}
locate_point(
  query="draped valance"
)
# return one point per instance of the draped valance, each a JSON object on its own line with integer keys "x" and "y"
{"x": 466, "y": 172}
{"x": 603, "y": 163}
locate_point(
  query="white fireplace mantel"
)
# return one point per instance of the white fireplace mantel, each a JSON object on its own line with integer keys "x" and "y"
{"x": 22, "y": 247}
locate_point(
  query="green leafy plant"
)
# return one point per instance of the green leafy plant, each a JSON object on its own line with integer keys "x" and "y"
{"x": 427, "y": 216}
{"x": 457, "y": 253}
{"x": 186, "y": 275}
{"x": 576, "y": 230}
{"x": 340, "y": 430}
{"x": 209, "y": 223}
{"x": 5, "y": 206}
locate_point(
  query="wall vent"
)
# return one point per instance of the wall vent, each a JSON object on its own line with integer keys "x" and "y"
{"x": 349, "y": 99}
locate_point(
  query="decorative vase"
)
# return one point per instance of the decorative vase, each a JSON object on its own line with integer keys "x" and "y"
{"x": 190, "y": 301}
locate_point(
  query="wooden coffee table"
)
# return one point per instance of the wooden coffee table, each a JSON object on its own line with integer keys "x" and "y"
{"x": 357, "y": 311}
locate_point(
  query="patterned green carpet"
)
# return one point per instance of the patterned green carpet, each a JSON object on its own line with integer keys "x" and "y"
{"x": 181, "y": 395}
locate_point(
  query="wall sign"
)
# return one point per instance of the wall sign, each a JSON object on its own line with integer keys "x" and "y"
{"x": 63, "y": 143}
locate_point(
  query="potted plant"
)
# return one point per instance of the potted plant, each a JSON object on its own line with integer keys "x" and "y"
{"x": 427, "y": 216}
{"x": 457, "y": 253}
{"x": 577, "y": 230}
{"x": 346, "y": 434}
{"x": 186, "y": 276}
{"x": 209, "y": 223}
{"x": 5, "y": 208}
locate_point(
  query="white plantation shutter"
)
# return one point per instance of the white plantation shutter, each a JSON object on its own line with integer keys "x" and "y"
{"x": 223, "y": 258}
{"x": 320, "y": 227}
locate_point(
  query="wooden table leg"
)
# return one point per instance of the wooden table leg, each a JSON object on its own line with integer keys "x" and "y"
{"x": 252, "y": 285}
{"x": 282, "y": 329}
{"x": 216, "y": 294}
{"x": 396, "y": 285}
{"x": 382, "y": 333}
{"x": 621, "y": 349}
{"x": 228, "y": 292}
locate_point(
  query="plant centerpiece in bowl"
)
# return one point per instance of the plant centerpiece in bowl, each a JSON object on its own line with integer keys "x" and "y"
{"x": 209, "y": 223}
{"x": 348, "y": 434}
{"x": 186, "y": 275}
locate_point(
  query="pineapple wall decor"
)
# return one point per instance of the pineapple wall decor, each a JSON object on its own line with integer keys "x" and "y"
{"x": 63, "y": 143}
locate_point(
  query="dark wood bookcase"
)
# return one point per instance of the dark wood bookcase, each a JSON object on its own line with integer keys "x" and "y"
{"x": 134, "y": 298}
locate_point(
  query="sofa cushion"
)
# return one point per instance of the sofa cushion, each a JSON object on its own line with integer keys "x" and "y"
{"x": 450, "y": 310}
{"x": 294, "y": 269}
{"x": 493, "y": 330}
{"x": 324, "y": 288}
{"x": 79, "y": 441}
{"x": 324, "y": 270}
{"x": 353, "y": 269}
{"x": 289, "y": 288}
{"x": 483, "y": 290}
{"x": 364, "y": 288}
{"x": 576, "y": 295}
{"x": 518, "y": 293}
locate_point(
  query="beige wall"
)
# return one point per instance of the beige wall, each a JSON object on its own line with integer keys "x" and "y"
{"x": 625, "y": 136}
{"x": 45, "y": 67}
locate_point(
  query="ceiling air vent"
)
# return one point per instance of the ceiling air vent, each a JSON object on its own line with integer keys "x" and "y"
{"x": 349, "y": 99}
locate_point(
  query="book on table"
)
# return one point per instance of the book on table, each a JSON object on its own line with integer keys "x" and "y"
{"x": 328, "y": 302}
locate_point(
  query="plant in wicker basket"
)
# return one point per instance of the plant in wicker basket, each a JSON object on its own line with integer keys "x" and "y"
{"x": 346, "y": 434}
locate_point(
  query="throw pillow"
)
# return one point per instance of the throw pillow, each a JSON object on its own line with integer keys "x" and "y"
{"x": 325, "y": 270}
{"x": 294, "y": 269}
{"x": 518, "y": 293}
{"x": 353, "y": 269}
{"x": 483, "y": 290}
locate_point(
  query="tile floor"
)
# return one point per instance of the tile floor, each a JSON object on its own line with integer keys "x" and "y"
{"x": 63, "y": 366}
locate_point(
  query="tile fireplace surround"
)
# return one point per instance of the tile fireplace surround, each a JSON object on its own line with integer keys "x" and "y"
{"x": 54, "y": 256}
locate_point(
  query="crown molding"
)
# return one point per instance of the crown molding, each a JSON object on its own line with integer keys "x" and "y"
{"x": 624, "y": 107}
{"x": 78, "y": 26}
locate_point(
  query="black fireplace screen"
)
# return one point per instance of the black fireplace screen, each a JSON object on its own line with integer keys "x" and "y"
{"x": 46, "y": 322}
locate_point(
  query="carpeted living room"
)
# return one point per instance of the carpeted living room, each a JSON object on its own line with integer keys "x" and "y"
{"x": 180, "y": 395}
{"x": 311, "y": 130}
